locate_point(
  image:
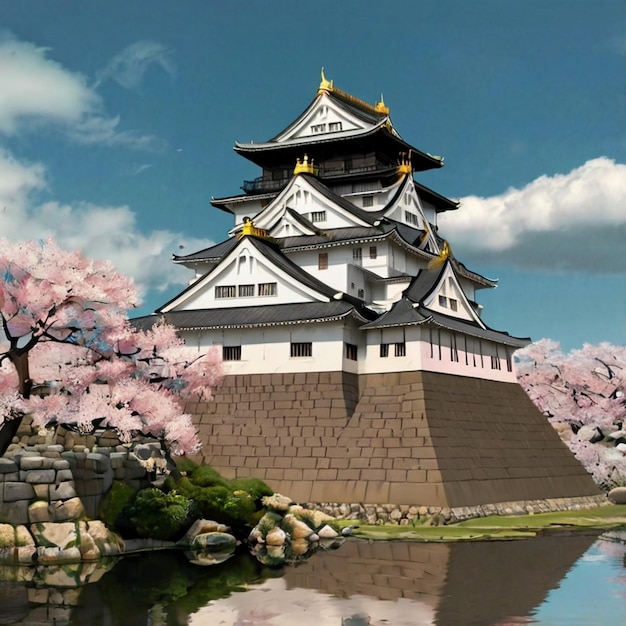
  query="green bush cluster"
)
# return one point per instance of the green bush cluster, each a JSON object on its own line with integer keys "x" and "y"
{"x": 236, "y": 503}
{"x": 167, "y": 514}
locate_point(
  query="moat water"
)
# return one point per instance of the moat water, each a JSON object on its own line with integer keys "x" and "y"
{"x": 577, "y": 580}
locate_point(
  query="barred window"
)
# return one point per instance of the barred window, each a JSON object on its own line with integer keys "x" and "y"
{"x": 225, "y": 291}
{"x": 384, "y": 350}
{"x": 357, "y": 254}
{"x": 231, "y": 353}
{"x": 318, "y": 216}
{"x": 318, "y": 128}
{"x": 322, "y": 261}
{"x": 303, "y": 348}
{"x": 400, "y": 349}
{"x": 334, "y": 126}
{"x": 267, "y": 289}
{"x": 352, "y": 351}
{"x": 410, "y": 218}
{"x": 373, "y": 252}
{"x": 246, "y": 291}
{"x": 495, "y": 363}
{"x": 368, "y": 201}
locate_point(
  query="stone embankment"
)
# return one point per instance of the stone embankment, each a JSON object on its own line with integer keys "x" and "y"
{"x": 405, "y": 515}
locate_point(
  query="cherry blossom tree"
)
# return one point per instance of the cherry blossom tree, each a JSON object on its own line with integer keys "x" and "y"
{"x": 69, "y": 355}
{"x": 582, "y": 395}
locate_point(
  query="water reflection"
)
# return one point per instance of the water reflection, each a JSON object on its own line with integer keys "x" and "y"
{"x": 359, "y": 584}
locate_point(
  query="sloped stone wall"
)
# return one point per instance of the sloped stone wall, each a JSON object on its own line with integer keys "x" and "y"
{"x": 408, "y": 438}
{"x": 43, "y": 482}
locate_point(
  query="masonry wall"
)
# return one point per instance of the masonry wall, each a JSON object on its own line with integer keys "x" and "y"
{"x": 417, "y": 438}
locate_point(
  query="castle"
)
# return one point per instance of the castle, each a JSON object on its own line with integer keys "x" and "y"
{"x": 358, "y": 366}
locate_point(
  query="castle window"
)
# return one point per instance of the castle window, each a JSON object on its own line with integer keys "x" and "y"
{"x": 351, "y": 351}
{"x": 318, "y": 128}
{"x": 410, "y": 218}
{"x": 495, "y": 363}
{"x": 318, "y": 216}
{"x": 357, "y": 255}
{"x": 443, "y": 301}
{"x": 334, "y": 127}
{"x": 225, "y": 291}
{"x": 246, "y": 291}
{"x": 400, "y": 349}
{"x": 301, "y": 349}
{"x": 509, "y": 362}
{"x": 373, "y": 252}
{"x": 267, "y": 289}
{"x": 454, "y": 353}
{"x": 368, "y": 201}
{"x": 322, "y": 261}
{"x": 453, "y": 304}
{"x": 231, "y": 353}
{"x": 384, "y": 350}
{"x": 361, "y": 293}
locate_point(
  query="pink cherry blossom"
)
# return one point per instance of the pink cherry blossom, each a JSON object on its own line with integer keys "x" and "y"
{"x": 583, "y": 388}
{"x": 69, "y": 355}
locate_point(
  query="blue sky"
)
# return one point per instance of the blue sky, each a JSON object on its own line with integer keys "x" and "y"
{"x": 117, "y": 121}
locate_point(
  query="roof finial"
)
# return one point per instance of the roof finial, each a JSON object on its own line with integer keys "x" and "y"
{"x": 380, "y": 106}
{"x": 305, "y": 166}
{"x": 325, "y": 84}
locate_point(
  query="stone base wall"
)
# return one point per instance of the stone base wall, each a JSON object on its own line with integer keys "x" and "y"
{"x": 412, "y": 438}
{"x": 45, "y": 482}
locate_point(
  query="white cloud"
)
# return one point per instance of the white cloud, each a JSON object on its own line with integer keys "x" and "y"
{"x": 574, "y": 221}
{"x": 38, "y": 91}
{"x": 100, "y": 232}
{"x": 128, "y": 67}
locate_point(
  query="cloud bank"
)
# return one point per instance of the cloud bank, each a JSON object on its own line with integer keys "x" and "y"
{"x": 567, "y": 222}
{"x": 38, "y": 92}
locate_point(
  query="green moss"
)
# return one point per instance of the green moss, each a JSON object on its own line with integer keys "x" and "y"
{"x": 119, "y": 499}
{"x": 253, "y": 486}
{"x": 205, "y": 476}
{"x": 160, "y": 515}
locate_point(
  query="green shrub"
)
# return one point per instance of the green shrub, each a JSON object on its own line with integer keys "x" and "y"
{"x": 254, "y": 486}
{"x": 205, "y": 476}
{"x": 115, "y": 504}
{"x": 160, "y": 515}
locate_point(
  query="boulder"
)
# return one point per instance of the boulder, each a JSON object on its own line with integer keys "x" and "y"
{"x": 201, "y": 527}
{"x": 295, "y": 527}
{"x": 275, "y": 537}
{"x": 326, "y": 532}
{"x": 214, "y": 542}
{"x": 617, "y": 495}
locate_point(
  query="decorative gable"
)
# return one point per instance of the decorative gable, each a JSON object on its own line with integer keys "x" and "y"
{"x": 448, "y": 297}
{"x": 306, "y": 200}
{"x": 406, "y": 207}
{"x": 325, "y": 116}
{"x": 247, "y": 277}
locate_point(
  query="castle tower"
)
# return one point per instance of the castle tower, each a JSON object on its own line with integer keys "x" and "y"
{"x": 358, "y": 365}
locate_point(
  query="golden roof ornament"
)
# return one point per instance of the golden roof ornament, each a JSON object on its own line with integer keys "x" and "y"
{"x": 248, "y": 229}
{"x": 325, "y": 84}
{"x": 328, "y": 86}
{"x": 381, "y": 107}
{"x": 305, "y": 167}
{"x": 404, "y": 164}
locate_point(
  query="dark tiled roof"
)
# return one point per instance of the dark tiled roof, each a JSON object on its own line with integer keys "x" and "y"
{"x": 254, "y": 316}
{"x": 214, "y": 253}
{"x": 402, "y": 313}
{"x": 423, "y": 284}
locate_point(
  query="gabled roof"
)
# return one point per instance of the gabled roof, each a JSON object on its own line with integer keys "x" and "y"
{"x": 275, "y": 257}
{"x": 256, "y": 316}
{"x": 362, "y": 121}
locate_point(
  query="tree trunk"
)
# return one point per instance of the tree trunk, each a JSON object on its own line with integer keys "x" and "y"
{"x": 9, "y": 428}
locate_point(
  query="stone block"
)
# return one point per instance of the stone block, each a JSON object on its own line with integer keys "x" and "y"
{"x": 15, "y": 512}
{"x": 63, "y": 491}
{"x": 41, "y": 491}
{"x": 67, "y": 510}
{"x": 61, "y": 465}
{"x": 97, "y": 462}
{"x": 38, "y": 512}
{"x": 18, "y": 491}
{"x": 7, "y": 466}
{"x": 38, "y": 476}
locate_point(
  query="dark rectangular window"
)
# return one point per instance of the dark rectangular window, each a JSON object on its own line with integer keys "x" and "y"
{"x": 410, "y": 218}
{"x": 384, "y": 350}
{"x": 454, "y": 353}
{"x": 322, "y": 261}
{"x": 334, "y": 126}
{"x": 318, "y": 216}
{"x": 225, "y": 291}
{"x": 231, "y": 353}
{"x": 400, "y": 349}
{"x": 267, "y": 289}
{"x": 303, "y": 348}
{"x": 453, "y": 304}
{"x": 373, "y": 252}
{"x": 495, "y": 363}
{"x": 368, "y": 201}
{"x": 246, "y": 291}
{"x": 443, "y": 301}
{"x": 357, "y": 255}
{"x": 351, "y": 351}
